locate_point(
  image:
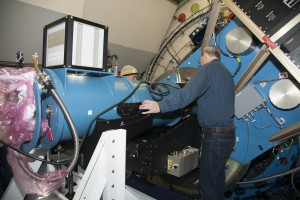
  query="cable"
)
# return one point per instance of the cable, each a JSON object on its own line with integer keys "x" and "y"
{"x": 160, "y": 93}
{"x": 262, "y": 122}
{"x": 293, "y": 185}
{"x": 48, "y": 85}
{"x": 140, "y": 119}
{"x": 270, "y": 80}
{"x": 286, "y": 148}
{"x": 248, "y": 136}
{"x": 106, "y": 110}
{"x": 172, "y": 55}
{"x": 120, "y": 102}
{"x": 72, "y": 127}
{"x": 271, "y": 177}
{"x": 230, "y": 56}
{"x": 178, "y": 30}
{"x": 31, "y": 156}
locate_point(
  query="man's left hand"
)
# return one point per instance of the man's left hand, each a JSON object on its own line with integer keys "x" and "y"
{"x": 151, "y": 106}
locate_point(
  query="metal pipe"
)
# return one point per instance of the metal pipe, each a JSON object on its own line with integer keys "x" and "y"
{"x": 211, "y": 24}
{"x": 286, "y": 133}
{"x": 253, "y": 67}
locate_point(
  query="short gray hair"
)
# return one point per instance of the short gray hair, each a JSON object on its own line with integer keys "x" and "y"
{"x": 212, "y": 51}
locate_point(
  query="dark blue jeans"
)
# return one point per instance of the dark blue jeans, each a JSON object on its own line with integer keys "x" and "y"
{"x": 215, "y": 150}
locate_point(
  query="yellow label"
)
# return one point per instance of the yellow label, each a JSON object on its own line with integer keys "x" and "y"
{"x": 169, "y": 164}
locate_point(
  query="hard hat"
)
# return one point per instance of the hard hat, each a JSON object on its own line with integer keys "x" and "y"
{"x": 128, "y": 70}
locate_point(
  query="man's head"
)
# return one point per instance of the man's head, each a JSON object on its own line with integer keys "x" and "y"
{"x": 129, "y": 72}
{"x": 210, "y": 53}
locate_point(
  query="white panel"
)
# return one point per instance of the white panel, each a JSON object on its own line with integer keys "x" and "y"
{"x": 88, "y": 44}
{"x": 68, "y": 7}
{"x": 100, "y": 50}
{"x": 87, "y": 50}
{"x": 55, "y": 45}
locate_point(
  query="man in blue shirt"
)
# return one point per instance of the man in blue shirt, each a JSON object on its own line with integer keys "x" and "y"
{"x": 212, "y": 87}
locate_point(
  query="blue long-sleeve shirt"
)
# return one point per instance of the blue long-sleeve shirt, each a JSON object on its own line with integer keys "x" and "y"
{"x": 213, "y": 89}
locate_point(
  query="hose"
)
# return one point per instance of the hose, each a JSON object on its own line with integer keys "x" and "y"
{"x": 47, "y": 83}
{"x": 75, "y": 137}
{"x": 71, "y": 126}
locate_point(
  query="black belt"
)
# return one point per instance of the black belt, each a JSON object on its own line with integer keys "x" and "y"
{"x": 218, "y": 129}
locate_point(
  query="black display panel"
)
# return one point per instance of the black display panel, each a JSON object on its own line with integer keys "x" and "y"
{"x": 270, "y": 15}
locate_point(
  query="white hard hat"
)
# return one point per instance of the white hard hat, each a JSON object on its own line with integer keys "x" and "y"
{"x": 128, "y": 70}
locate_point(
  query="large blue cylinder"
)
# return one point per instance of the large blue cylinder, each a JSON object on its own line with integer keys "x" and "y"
{"x": 86, "y": 94}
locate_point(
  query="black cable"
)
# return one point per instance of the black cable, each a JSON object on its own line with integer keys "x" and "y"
{"x": 133, "y": 122}
{"x": 154, "y": 87}
{"x": 172, "y": 35}
{"x": 33, "y": 157}
{"x": 122, "y": 101}
{"x": 293, "y": 185}
{"x": 172, "y": 56}
{"x": 166, "y": 84}
{"x": 271, "y": 177}
{"x": 66, "y": 162}
{"x": 271, "y": 80}
{"x": 47, "y": 83}
{"x": 106, "y": 110}
{"x": 159, "y": 93}
{"x": 235, "y": 57}
{"x": 230, "y": 56}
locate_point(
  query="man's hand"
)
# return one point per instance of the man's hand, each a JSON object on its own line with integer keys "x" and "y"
{"x": 151, "y": 106}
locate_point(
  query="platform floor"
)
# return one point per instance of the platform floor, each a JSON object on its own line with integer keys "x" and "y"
{"x": 152, "y": 190}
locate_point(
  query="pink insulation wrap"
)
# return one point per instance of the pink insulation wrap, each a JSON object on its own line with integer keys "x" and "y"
{"x": 16, "y": 105}
{"x": 33, "y": 183}
{"x": 17, "y": 122}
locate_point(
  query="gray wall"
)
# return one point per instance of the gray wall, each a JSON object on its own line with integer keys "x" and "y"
{"x": 22, "y": 29}
{"x": 22, "y": 25}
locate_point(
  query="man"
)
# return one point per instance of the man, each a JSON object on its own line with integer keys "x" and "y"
{"x": 212, "y": 87}
{"x": 129, "y": 72}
